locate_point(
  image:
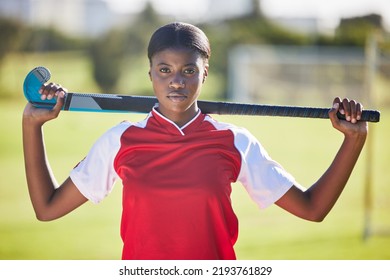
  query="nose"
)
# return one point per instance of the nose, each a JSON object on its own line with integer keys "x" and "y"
{"x": 177, "y": 82}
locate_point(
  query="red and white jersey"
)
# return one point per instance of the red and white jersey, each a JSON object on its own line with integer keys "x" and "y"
{"x": 177, "y": 184}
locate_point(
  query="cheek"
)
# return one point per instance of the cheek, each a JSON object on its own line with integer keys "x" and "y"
{"x": 197, "y": 83}
{"x": 159, "y": 85}
{"x": 156, "y": 80}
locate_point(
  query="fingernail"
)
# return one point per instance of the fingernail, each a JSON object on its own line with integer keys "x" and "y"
{"x": 348, "y": 118}
{"x": 336, "y": 105}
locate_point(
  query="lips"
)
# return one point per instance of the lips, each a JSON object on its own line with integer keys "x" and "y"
{"x": 177, "y": 96}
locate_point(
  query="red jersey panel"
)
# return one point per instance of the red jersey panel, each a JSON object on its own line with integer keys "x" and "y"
{"x": 177, "y": 184}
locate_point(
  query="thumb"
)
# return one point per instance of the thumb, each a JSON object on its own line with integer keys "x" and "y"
{"x": 59, "y": 103}
{"x": 333, "y": 114}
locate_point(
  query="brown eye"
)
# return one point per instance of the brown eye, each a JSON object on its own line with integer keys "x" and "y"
{"x": 165, "y": 70}
{"x": 189, "y": 71}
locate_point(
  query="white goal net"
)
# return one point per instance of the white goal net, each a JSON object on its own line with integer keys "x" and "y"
{"x": 296, "y": 75}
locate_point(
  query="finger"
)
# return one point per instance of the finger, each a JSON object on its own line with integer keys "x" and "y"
{"x": 41, "y": 92}
{"x": 352, "y": 105}
{"x": 340, "y": 108}
{"x": 359, "y": 110}
{"x": 336, "y": 106}
{"x": 59, "y": 103}
{"x": 333, "y": 112}
{"x": 46, "y": 91}
{"x": 346, "y": 109}
{"x": 54, "y": 88}
{"x": 51, "y": 90}
{"x": 337, "y": 100}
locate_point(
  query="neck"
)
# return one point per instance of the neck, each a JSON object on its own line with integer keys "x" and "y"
{"x": 179, "y": 118}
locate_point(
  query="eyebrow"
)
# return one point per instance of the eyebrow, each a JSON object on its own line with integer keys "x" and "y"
{"x": 186, "y": 65}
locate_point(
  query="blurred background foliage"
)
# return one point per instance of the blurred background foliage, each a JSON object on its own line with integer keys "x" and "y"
{"x": 109, "y": 52}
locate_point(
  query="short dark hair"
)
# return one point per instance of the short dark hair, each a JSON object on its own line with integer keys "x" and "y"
{"x": 179, "y": 34}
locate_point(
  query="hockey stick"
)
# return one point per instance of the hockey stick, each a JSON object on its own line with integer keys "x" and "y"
{"x": 94, "y": 102}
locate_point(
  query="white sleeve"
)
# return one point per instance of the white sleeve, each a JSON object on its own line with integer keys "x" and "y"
{"x": 95, "y": 175}
{"x": 264, "y": 179}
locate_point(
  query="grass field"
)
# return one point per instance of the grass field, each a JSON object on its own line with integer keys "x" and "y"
{"x": 303, "y": 147}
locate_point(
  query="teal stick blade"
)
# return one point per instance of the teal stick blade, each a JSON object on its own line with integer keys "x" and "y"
{"x": 33, "y": 82}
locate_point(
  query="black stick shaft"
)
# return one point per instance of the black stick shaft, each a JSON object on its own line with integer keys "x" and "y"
{"x": 143, "y": 104}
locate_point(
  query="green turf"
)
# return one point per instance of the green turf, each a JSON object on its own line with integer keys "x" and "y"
{"x": 304, "y": 147}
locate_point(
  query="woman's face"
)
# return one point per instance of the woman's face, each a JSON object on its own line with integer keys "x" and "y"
{"x": 177, "y": 76}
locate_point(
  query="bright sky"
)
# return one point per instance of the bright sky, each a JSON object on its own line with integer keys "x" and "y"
{"x": 327, "y": 11}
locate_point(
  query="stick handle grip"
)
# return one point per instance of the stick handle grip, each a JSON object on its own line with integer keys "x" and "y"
{"x": 279, "y": 111}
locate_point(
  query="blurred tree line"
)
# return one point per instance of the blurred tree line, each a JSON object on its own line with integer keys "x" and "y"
{"x": 108, "y": 52}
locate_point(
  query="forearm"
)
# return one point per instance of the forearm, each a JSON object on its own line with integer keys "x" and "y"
{"x": 40, "y": 181}
{"x": 316, "y": 202}
{"x": 325, "y": 192}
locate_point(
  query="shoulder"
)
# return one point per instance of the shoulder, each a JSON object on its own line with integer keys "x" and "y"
{"x": 117, "y": 130}
{"x": 221, "y": 125}
{"x": 121, "y": 127}
{"x": 238, "y": 132}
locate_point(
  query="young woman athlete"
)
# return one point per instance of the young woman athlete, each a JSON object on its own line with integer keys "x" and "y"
{"x": 177, "y": 165}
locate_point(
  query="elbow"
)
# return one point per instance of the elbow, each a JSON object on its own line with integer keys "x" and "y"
{"x": 44, "y": 216}
{"x": 316, "y": 217}
{"x": 311, "y": 216}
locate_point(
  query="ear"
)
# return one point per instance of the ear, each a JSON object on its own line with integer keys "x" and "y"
{"x": 150, "y": 75}
{"x": 205, "y": 73}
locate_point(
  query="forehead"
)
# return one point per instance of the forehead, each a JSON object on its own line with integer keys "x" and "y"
{"x": 178, "y": 55}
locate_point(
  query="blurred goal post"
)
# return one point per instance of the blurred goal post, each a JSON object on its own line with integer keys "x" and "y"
{"x": 295, "y": 75}
{"x": 308, "y": 76}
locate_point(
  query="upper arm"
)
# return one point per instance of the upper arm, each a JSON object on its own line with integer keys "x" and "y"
{"x": 65, "y": 199}
{"x": 298, "y": 203}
